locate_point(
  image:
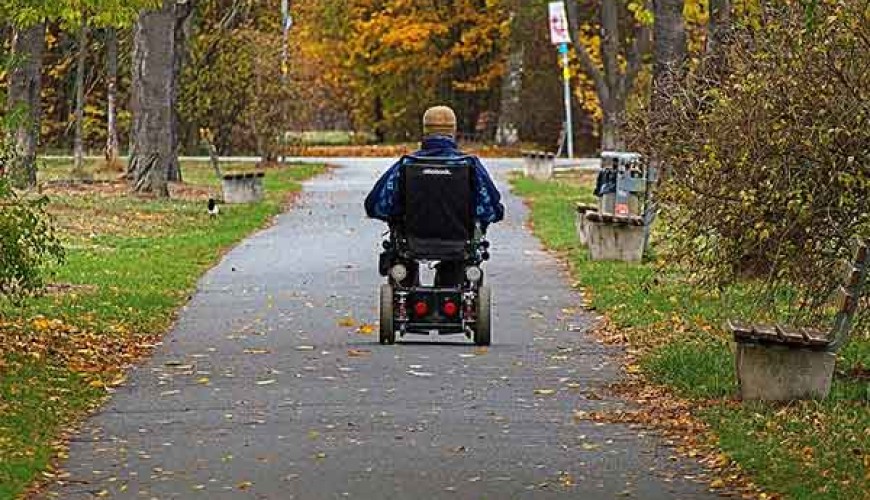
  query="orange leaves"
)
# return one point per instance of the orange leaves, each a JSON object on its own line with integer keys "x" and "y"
{"x": 403, "y": 54}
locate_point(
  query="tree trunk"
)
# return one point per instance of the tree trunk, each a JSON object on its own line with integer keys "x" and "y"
{"x": 669, "y": 33}
{"x": 507, "y": 131}
{"x": 717, "y": 30}
{"x": 380, "y": 135}
{"x": 25, "y": 82}
{"x": 182, "y": 12}
{"x": 611, "y": 127}
{"x": 111, "y": 97}
{"x": 612, "y": 83}
{"x": 156, "y": 67}
{"x": 154, "y": 144}
{"x": 78, "y": 141}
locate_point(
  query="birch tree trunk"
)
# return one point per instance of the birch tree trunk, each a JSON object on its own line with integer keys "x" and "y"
{"x": 111, "y": 97}
{"x": 25, "y": 84}
{"x": 78, "y": 140}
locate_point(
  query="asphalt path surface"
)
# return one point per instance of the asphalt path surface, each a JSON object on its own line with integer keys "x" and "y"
{"x": 264, "y": 388}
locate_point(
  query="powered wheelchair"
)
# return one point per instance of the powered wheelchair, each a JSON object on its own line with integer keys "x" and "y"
{"x": 437, "y": 225}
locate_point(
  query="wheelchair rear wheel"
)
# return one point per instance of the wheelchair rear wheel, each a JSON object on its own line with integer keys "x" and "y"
{"x": 483, "y": 327}
{"x": 388, "y": 331}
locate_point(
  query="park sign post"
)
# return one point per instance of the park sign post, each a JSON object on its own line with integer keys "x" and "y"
{"x": 560, "y": 35}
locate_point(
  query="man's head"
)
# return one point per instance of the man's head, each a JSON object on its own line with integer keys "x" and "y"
{"x": 439, "y": 120}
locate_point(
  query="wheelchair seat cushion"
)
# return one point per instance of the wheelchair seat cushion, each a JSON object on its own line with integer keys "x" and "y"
{"x": 439, "y": 206}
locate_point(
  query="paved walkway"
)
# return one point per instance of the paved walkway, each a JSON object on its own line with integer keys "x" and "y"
{"x": 260, "y": 391}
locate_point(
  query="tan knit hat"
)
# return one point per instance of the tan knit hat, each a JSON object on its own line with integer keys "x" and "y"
{"x": 439, "y": 120}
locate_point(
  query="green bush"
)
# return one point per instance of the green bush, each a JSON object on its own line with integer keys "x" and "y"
{"x": 28, "y": 242}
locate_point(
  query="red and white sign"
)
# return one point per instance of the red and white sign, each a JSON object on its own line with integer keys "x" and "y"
{"x": 559, "y": 32}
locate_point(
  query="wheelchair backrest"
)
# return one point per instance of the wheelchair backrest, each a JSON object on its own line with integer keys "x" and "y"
{"x": 439, "y": 206}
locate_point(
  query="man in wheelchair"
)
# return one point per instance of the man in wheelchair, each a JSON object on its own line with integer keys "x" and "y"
{"x": 438, "y": 203}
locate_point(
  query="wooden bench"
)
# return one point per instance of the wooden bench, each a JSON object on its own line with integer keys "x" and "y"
{"x": 610, "y": 236}
{"x": 243, "y": 187}
{"x": 779, "y": 362}
{"x": 538, "y": 165}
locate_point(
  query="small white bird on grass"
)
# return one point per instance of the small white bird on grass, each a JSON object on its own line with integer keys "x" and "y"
{"x": 213, "y": 209}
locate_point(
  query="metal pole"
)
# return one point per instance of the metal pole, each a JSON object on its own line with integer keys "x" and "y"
{"x": 285, "y": 67}
{"x": 285, "y": 27}
{"x": 566, "y": 75}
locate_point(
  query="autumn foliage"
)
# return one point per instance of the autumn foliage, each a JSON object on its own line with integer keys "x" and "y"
{"x": 387, "y": 61}
{"x": 767, "y": 156}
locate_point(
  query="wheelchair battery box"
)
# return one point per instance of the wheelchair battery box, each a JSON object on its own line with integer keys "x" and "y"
{"x": 435, "y": 305}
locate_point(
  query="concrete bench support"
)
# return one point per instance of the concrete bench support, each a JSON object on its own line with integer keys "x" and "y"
{"x": 580, "y": 222}
{"x": 538, "y": 165}
{"x": 243, "y": 187}
{"x": 783, "y": 373}
{"x": 613, "y": 237}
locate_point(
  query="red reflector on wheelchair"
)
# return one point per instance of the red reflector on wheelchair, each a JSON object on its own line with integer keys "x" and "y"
{"x": 421, "y": 309}
{"x": 450, "y": 309}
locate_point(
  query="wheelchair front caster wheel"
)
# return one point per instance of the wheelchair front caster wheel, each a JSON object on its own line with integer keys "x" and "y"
{"x": 388, "y": 331}
{"x": 483, "y": 326}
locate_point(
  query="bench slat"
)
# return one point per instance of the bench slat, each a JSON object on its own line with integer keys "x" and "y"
{"x": 739, "y": 327}
{"x": 815, "y": 337}
{"x": 848, "y": 301}
{"x": 792, "y": 335}
{"x": 766, "y": 332}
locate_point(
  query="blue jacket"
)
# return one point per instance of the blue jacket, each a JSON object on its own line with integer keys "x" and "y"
{"x": 384, "y": 202}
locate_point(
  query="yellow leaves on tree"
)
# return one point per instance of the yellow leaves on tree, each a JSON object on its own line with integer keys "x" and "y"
{"x": 392, "y": 58}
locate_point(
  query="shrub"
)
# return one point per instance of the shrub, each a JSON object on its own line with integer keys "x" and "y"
{"x": 768, "y": 153}
{"x": 28, "y": 242}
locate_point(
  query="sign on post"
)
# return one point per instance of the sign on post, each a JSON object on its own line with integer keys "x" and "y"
{"x": 560, "y": 35}
{"x": 559, "y": 32}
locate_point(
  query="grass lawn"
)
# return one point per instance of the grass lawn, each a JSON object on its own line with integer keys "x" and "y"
{"x": 807, "y": 449}
{"x": 130, "y": 264}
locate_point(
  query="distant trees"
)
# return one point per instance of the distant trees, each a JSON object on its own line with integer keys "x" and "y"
{"x": 398, "y": 57}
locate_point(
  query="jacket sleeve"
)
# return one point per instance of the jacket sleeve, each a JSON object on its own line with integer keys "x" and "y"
{"x": 489, "y": 209}
{"x": 382, "y": 203}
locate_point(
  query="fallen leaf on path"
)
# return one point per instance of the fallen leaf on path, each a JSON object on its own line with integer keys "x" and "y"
{"x": 347, "y": 322}
{"x": 545, "y": 392}
{"x": 203, "y": 381}
{"x": 366, "y": 329}
{"x": 244, "y": 485}
{"x": 358, "y": 353}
